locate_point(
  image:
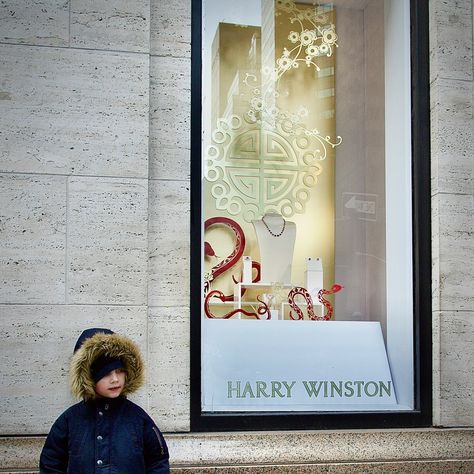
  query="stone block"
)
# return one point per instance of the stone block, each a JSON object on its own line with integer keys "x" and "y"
{"x": 168, "y": 367}
{"x": 68, "y": 111}
{"x": 170, "y": 110}
{"x": 169, "y": 243}
{"x": 452, "y": 140}
{"x": 35, "y": 22}
{"x": 427, "y": 451}
{"x": 170, "y": 28}
{"x": 122, "y": 25}
{"x": 266, "y": 448}
{"x": 33, "y": 238}
{"x": 383, "y": 467}
{"x": 37, "y": 344}
{"x": 451, "y": 39}
{"x": 453, "y": 252}
{"x": 435, "y": 255}
{"x": 107, "y": 241}
{"x": 453, "y": 355}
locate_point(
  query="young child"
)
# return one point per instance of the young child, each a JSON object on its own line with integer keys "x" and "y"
{"x": 105, "y": 432}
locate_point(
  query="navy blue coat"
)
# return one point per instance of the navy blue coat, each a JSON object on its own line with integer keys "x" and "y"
{"x": 105, "y": 436}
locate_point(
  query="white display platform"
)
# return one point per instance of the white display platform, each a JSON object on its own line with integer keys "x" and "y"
{"x": 318, "y": 307}
{"x": 251, "y": 365}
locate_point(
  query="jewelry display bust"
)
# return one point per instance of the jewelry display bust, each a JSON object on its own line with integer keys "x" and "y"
{"x": 276, "y": 240}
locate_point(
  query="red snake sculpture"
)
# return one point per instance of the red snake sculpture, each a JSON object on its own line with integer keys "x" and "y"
{"x": 261, "y": 310}
{"x": 299, "y": 290}
{"x": 232, "y": 259}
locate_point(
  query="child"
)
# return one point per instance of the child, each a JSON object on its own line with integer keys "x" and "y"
{"x": 105, "y": 432}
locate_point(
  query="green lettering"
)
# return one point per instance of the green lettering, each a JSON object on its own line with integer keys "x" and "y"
{"x": 336, "y": 388}
{"x": 231, "y": 389}
{"x": 366, "y": 389}
{"x": 261, "y": 387}
{"x": 288, "y": 388}
{"x": 325, "y": 389}
{"x": 349, "y": 390}
{"x": 311, "y": 389}
{"x": 385, "y": 388}
{"x": 359, "y": 384}
{"x": 276, "y": 386}
{"x": 247, "y": 390}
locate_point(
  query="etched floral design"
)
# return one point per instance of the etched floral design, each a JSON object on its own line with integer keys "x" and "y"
{"x": 265, "y": 132}
{"x": 329, "y": 35}
{"x": 294, "y": 36}
{"x": 312, "y": 50}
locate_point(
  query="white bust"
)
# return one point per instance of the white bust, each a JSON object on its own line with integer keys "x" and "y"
{"x": 276, "y": 240}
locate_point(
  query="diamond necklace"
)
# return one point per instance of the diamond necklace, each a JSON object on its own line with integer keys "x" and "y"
{"x": 269, "y": 230}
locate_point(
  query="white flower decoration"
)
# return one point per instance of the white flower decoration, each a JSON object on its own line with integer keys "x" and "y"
{"x": 293, "y": 36}
{"x": 302, "y": 112}
{"x": 321, "y": 18}
{"x": 324, "y": 48}
{"x": 285, "y": 5}
{"x": 285, "y": 63}
{"x": 256, "y": 103}
{"x": 307, "y": 37}
{"x": 329, "y": 36}
{"x": 312, "y": 50}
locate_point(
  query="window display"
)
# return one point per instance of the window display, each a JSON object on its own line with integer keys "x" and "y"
{"x": 306, "y": 283}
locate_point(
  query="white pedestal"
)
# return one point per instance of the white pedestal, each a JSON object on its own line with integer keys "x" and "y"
{"x": 251, "y": 365}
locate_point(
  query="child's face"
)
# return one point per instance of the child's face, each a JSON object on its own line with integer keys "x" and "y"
{"x": 111, "y": 385}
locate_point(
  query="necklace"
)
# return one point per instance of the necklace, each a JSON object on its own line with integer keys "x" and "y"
{"x": 269, "y": 230}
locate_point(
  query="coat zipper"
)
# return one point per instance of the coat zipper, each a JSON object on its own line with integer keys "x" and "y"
{"x": 159, "y": 440}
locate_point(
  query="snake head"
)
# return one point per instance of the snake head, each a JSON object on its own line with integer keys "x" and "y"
{"x": 208, "y": 250}
{"x": 216, "y": 294}
{"x": 336, "y": 287}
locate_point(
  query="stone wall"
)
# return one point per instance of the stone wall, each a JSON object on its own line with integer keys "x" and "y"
{"x": 94, "y": 192}
{"x": 452, "y": 151}
{"x": 94, "y": 186}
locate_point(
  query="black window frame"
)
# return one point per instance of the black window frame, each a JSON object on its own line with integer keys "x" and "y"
{"x": 421, "y": 416}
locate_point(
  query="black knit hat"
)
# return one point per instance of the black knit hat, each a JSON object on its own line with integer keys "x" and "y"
{"x": 104, "y": 363}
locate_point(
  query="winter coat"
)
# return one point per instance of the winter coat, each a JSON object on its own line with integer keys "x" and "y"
{"x": 105, "y": 435}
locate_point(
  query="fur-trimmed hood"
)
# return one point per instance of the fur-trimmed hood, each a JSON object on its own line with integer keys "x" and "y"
{"x": 112, "y": 345}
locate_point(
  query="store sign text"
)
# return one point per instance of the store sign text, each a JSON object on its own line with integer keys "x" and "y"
{"x": 312, "y": 389}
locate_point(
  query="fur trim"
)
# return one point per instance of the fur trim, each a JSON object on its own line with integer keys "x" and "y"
{"x": 113, "y": 345}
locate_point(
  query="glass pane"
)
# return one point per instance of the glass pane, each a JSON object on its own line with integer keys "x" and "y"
{"x": 306, "y": 206}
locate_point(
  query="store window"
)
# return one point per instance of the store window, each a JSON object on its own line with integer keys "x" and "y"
{"x": 308, "y": 274}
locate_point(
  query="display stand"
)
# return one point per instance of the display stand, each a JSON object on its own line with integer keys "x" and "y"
{"x": 283, "y": 306}
{"x": 260, "y": 285}
{"x": 295, "y": 365}
{"x": 276, "y": 240}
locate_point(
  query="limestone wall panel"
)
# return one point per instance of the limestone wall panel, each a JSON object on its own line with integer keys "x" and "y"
{"x": 107, "y": 241}
{"x": 451, "y": 34}
{"x": 38, "y": 22}
{"x": 33, "y": 238}
{"x": 452, "y": 136}
{"x": 170, "y": 99}
{"x": 169, "y": 243}
{"x": 122, "y": 25}
{"x": 454, "y": 350}
{"x": 170, "y": 28}
{"x": 37, "y": 344}
{"x": 456, "y": 251}
{"x": 168, "y": 367}
{"x": 68, "y": 111}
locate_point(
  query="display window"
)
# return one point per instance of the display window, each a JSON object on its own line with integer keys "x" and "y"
{"x": 308, "y": 181}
